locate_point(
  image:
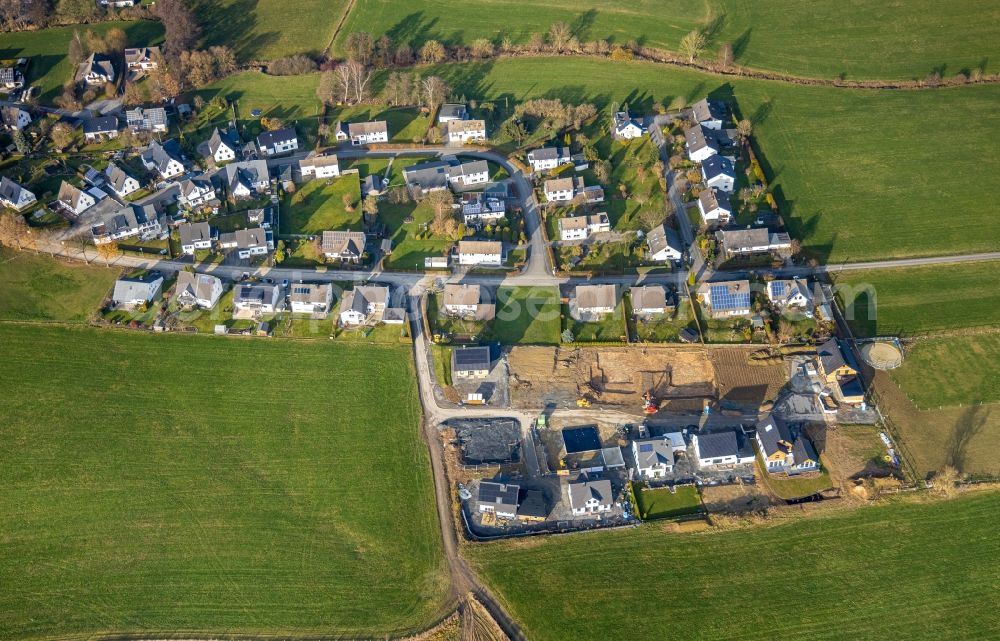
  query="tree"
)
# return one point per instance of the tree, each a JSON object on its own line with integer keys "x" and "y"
{"x": 692, "y": 45}
{"x": 77, "y": 49}
{"x": 279, "y": 252}
{"x": 107, "y": 251}
{"x": 559, "y": 35}
{"x": 435, "y": 92}
{"x": 370, "y": 205}
{"x": 383, "y": 51}
{"x": 291, "y": 66}
{"x": 75, "y": 11}
{"x": 744, "y": 128}
{"x": 432, "y": 51}
{"x": 514, "y": 129}
{"x": 348, "y": 201}
{"x": 115, "y": 41}
{"x": 946, "y": 481}
{"x": 20, "y": 142}
{"x": 271, "y": 124}
{"x": 328, "y": 89}
{"x": 785, "y": 331}
{"x": 14, "y": 231}
{"x": 726, "y": 54}
{"x": 61, "y": 135}
{"x": 404, "y": 55}
{"x": 360, "y": 77}
{"x": 359, "y": 47}
{"x": 482, "y": 48}
{"x": 602, "y": 171}
{"x": 567, "y": 336}
{"x": 182, "y": 30}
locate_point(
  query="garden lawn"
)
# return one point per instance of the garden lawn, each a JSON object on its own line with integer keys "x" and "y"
{"x": 665, "y": 328}
{"x": 405, "y": 125}
{"x": 268, "y": 29}
{"x": 527, "y": 316}
{"x": 858, "y": 39}
{"x": 942, "y": 586}
{"x": 48, "y": 66}
{"x": 408, "y": 252}
{"x": 610, "y": 328}
{"x": 661, "y": 503}
{"x": 38, "y": 287}
{"x": 215, "y": 504}
{"x": 442, "y": 323}
{"x": 952, "y": 370}
{"x": 917, "y": 300}
{"x": 316, "y": 206}
{"x": 850, "y": 167}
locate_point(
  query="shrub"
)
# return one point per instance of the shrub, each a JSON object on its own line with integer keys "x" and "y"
{"x": 292, "y": 66}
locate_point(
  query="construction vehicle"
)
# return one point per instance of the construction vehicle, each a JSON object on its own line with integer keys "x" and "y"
{"x": 649, "y": 406}
{"x": 583, "y": 402}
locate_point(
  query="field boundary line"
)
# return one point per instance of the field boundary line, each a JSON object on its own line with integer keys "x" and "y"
{"x": 340, "y": 25}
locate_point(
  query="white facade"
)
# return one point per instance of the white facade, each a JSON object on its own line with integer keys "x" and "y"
{"x": 463, "y": 131}
{"x": 549, "y": 161}
{"x": 558, "y": 194}
{"x": 715, "y": 215}
{"x": 480, "y": 253}
{"x": 224, "y": 153}
{"x": 196, "y": 194}
{"x": 22, "y": 120}
{"x": 581, "y": 227}
{"x": 14, "y": 195}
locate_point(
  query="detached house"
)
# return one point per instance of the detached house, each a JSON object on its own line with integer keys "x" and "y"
{"x": 11, "y": 78}
{"x": 119, "y": 181}
{"x": 280, "y": 141}
{"x": 311, "y": 298}
{"x": 654, "y": 457}
{"x": 246, "y": 179}
{"x": 14, "y": 118}
{"x": 363, "y": 133}
{"x": 726, "y": 299}
{"x": 196, "y": 192}
{"x": 100, "y": 128}
{"x": 468, "y": 174}
{"x": 480, "y": 252}
{"x": 648, "y": 300}
{"x": 326, "y": 166}
{"x": 760, "y": 240}
{"x": 221, "y": 146}
{"x": 164, "y": 159}
{"x": 463, "y": 131}
{"x": 256, "y": 298}
{"x": 95, "y": 70}
{"x": 663, "y": 244}
{"x": 348, "y": 246}
{"x": 561, "y": 189}
{"x": 700, "y": 144}
{"x": 500, "y": 499}
{"x": 452, "y": 111}
{"x": 471, "y": 362}
{"x": 426, "y": 177}
{"x": 132, "y": 292}
{"x": 714, "y": 207}
{"x": 13, "y": 195}
{"x": 141, "y": 58}
{"x": 626, "y": 127}
{"x": 479, "y": 208}
{"x": 142, "y": 221}
{"x": 466, "y": 301}
{"x": 784, "y": 448}
{"x": 717, "y": 172}
{"x": 548, "y": 158}
{"x": 790, "y": 294}
{"x": 710, "y": 114}
{"x": 153, "y": 119}
{"x": 195, "y": 236}
{"x": 835, "y": 361}
{"x": 721, "y": 449}
{"x": 245, "y": 243}
{"x": 197, "y": 290}
{"x": 74, "y": 200}
{"x": 596, "y": 300}
{"x": 363, "y": 304}
{"x": 581, "y": 227}
{"x": 590, "y": 497}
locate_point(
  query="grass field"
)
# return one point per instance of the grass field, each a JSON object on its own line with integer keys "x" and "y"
{"x": 49, "y": 67}
{"x": 148, "y": 490}
{"x": 317, "y": 206}
{"x": 268, "y": 29}
{"x": 850, "y": 168}
{"x": 950, "y": 371}
{"x": 36, "y": 287}
{"x": 611, "y": 327}
{"x": 901, "y": 577}
{"x": 859, "y": 39}
{"x": 527, "y": 316}
{"x": 661, "y": 503}
{"x": 917, "y": 300}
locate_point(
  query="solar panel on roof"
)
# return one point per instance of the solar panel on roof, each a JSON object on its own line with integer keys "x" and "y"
{"x": 646, "y": 447}
{"x": 778, "y": 288}
{"x": 722, "y": 298}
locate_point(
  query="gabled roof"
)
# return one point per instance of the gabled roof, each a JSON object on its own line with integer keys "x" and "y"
{"x": 194, "y": 185}
{"x": 351, "y": 243}
{"x": 98, "y": 64}
{"x": 466, "y": 126}
{"x": 648, "y": 297}
{"x": 560, "y": 184}
{"x": 198, "y": 286}
{"x": 653, "y": 452}
{"x": 116, "y": 176}
{"x": 461, "y": 294}
{"x": 728, "y": 295}
{"x": 718, "y": 444}
{"x": 706, "y": 109}
{"x": 192, "y": 233}
{"x": 161, "y": 155}
{"x": 10, "y": 113}
{"x": 712, "y": 198}
{"x": 784, "y": 290}
{"x": 269, "y": 139}
{"x": 548, "y": 153}
{"x": 742, "y": 240}
{"x": 468, "y": 168}
{"x": 717, "y": 166}
{"x": 11, "y": 191}
{"x": 595, "y": 296}
{"x": 100, "y": 125}
{"x": 581, "y": 491}
{"x": 659, "y": 238}
{"x": 777, "y": 436}
{"x": 309, "y": 292}
{"x": 428, "y": 175}
{"x": 219, "y": 138}
{"x": 70, "y": 195}
{"x": 697, "y": 138}
{"x": 480, "y": 247}
{"x": 468, "y": 359}
{"x": 360, "y": 297}
{"x": 501, "y": 495}
{"x": 453, "y": 111}
{"x": 140, "y": 54}
{"x": 831, "y": 356}
{"x": 135, "y": 288}
{"x": 245, "y": 238}
{"x": 255, "y": 293}
{"x": 366, "y": 128}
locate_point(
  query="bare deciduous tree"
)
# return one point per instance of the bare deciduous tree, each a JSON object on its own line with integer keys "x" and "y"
{"x": 559, "y": 35}
{"x": 435, "y": 91}
{"x": 692, "y": 45}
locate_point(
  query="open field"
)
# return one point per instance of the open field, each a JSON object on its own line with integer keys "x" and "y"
{"x": 49, "y": 67}
{"x": 318, "y": 205}
{"x": 527, "y": 316}
{"x": 861, "y": 39}
{"x": 37, "y": 287}
{"x": 268, "y": 29}
{"x": 851, "y": 183}
{"x": 917, "y": 300}
{"x": 941, "y": 586}
{"x": 952, "y": 370}
{"x": 213, "y": 504}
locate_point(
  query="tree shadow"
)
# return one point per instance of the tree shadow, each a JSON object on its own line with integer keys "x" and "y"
{"x": 714, "y": 27}
{"x": 233, "y": 25}
{"x": 969, "y": 424}
{"x": 414, "y": 30}
{"x": 740, "y": 44}
{"x": 582, "y": 24}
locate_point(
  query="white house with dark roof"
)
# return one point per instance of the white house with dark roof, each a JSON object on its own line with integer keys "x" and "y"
{"x": 316, "y": 166}
{"x": 245, "y": 243}
{"x": 626, "y": 127}
{"x": 195, "y": 236}
{"x": 120, "y": 182}
{"x": 664, "y": 244}
{"x": 790, "y": 294}
{"x": 424, "y": 178}
{"x": 582, "y": 227}
{"x": 468, "y": 174}
{"x": 717, "y": 172}
{"x": 14, "y": 118}
{"x": 255, "y": 298}
{"x": 452, "y": 111}
{"x": 721, "y": 449}
{"x": 710, "y": 114}
{"x": 363, "y": 304}
{"x": 467, "y": 301}
{"x": 222, "y": 146}
{"x": 590, "y": 497}
{"x": 465, "y": 131}
{"x": 97, "y": 69}
{"x": 164, "y": 159}
{"x": 196, "y": 192}
{"x": 714, "y": 207}
{"x": 700, "y": 144}
{"x": 348, "y": 246}
{"x": 197, "y": 290}
{"x": 654, "y": 457}
{"x": 548, "y": 158}
{"x": 153, "y": 119}
{"x": 141, "y": 58}
{"x": 596, "y": 300}
{"x": 100, "y": 128}
{"x": 726, "y": 299}
{"x": 648, "y": 300}
{"x": 244, "y": 179}
{"x": 480, "y": 252}
{"x": 14, "y": 196}
{"x": 73, "y": 199}
{"x": 499, "y": 499}
{"x": 277, "y": 142}
{"x": 131, "y": 292}
{"x": 310, "y": 298}
{"x": 363, "y": 133}
{"x": 142, "y": 221}
{"x": 784, "y": 448}
{"x": 471, "y": 362}
{"x": 758, "y": 240}
{"x": 480, "y": 208}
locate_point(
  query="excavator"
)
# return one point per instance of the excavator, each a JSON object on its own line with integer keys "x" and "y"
{"x": 649, "y": 405}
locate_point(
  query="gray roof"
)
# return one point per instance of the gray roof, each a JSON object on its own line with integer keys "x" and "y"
{"x": 777, "y": 436}
{"x": 742, "y": 240}
{"x": 648, "y": 297}
{"x": 197, "y": 286}
{"x": 831, "y": 356}
{"x": 309, "y": 292}
{"x": 192, "y": 233}
{"x": 452, "y": 110}
{"x": 249, "y": 172}
{"x": 706, "y": 109}
{"x": 468, "y": 359}
{"x": 351, "y": 243}
{"x": 428, "y": 175}
{"x": 140, "y": 54}
{"x": 100, "y": 125}
{"x": 697, "y": 138}
{"x": 562, "y": 184}
{"x": 161, "y": 155}
{"x": 717, "y": 166}
{"x": 461, "y": 294}
{"x": 278, "y": 136}
{"x": 198, "y": 183}
{"x": 258, "y": 293}
{"x": 548, "y": 153}
{"x": 10, "y": 190}
{"x": 653, "y": 452}
{"x": 129, "y": 289}
{"x": 229, "y": 138}
{"x": 581, "y": 491}
{"x": 718, "y": 444}
{"x": 466, "y": 168}
{"x": 499, "y": 495}
{"x": 594, "y": 296}
{"x": 116, "y": 176}
{"x": 659, "y": 238}
{"x": 712, "y": 198}
{"x": 364, "y": 128}
{"x": 360, "y": 297}
{"x": 96, "y": 63}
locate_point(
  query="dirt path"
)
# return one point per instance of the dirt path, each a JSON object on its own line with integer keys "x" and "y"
{"x": 340, "y": 25}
